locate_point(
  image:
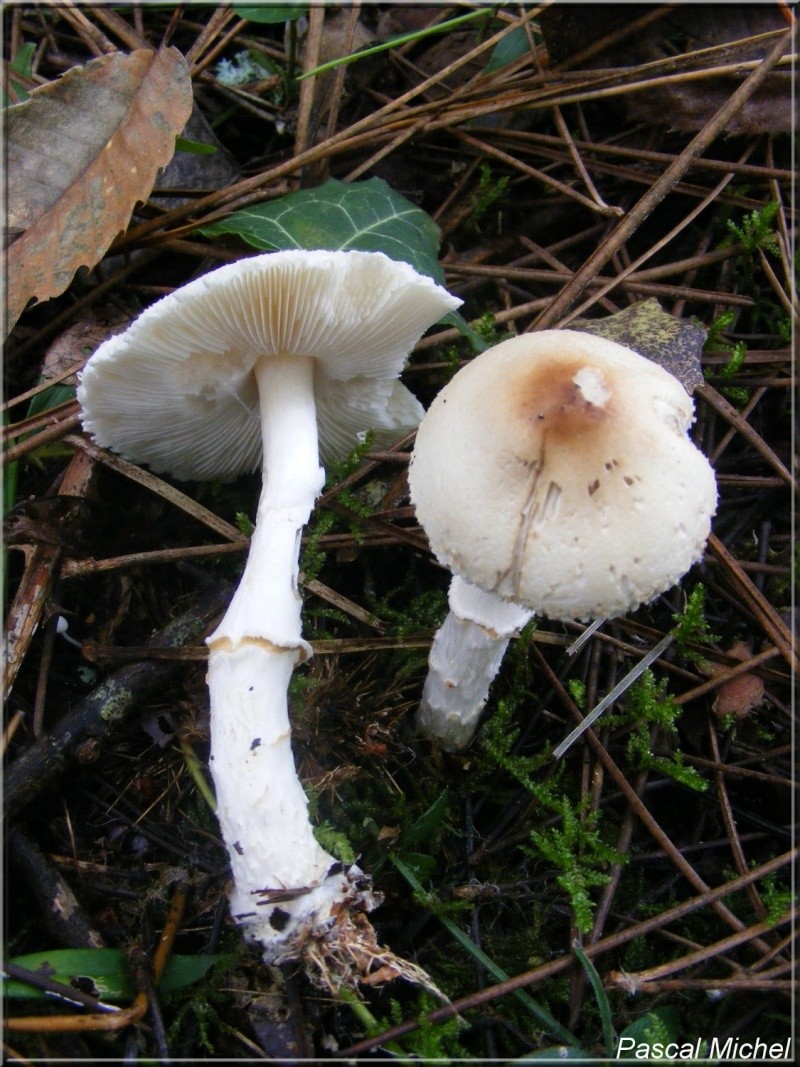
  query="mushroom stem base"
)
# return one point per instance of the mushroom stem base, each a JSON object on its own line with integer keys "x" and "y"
{"x": 465, "y": 656}
{"x": 287, "y": 889}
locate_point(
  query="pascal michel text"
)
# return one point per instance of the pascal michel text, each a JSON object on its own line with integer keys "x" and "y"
{"x": 715, "y": 1048}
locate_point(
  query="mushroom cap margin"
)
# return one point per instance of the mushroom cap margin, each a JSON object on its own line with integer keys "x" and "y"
{"x": 176, "y": 390}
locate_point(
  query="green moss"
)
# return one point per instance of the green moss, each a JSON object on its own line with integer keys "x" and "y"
{"x": 578, "y": 851}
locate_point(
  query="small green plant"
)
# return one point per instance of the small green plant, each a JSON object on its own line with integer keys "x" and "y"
{"x": 490, "y": 191}
{"x": 21, "y": 64}
{"x": 421, "y": 613}
{"x": 717, "y": 342}
{"x": 204, "y": 1009}
{"x": 756, "y": 237}
{"x": 648, "y": 705}
{"x": 499, "y": 738}
{"x": 487, "y": 329}
{"x": 575, "y": 848}
{"x": 335, "y": 842}
{"x": 778, "y": 899}
{"x": 577, "y": 690}
{"x": 313, "y": 555}
{"x": 579, "y": 853}
{"x": 244, "y": 524}
{"x": 691, "y": 626}
{"x": 430, "y": 1042}
{"x": 756, "y": 230}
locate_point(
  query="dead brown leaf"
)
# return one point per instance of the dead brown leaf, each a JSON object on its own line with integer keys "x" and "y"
{"x": 742, "y": 694}
{"x": 82, "y": 151}
{"x": 675, "y": 344}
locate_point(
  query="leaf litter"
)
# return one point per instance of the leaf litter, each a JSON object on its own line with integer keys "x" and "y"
{"x": 82, "y": 152}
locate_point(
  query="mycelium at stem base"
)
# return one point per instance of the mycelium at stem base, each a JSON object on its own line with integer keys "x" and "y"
{"x": 288, "y": 892}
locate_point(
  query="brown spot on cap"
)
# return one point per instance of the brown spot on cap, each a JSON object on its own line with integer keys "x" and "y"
{"x": 548, "y": 397}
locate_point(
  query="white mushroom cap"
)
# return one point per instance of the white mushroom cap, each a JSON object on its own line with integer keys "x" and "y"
{"x": 176, "y": 390}
{"x": 555, "y": 470}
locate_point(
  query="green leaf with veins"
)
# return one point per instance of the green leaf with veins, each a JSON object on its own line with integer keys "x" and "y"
{"x": 367, "y": 216}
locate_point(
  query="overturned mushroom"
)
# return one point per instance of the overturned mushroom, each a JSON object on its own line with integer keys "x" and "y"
{"x": 553, "y": 475}
{"x": 280, "y": 359}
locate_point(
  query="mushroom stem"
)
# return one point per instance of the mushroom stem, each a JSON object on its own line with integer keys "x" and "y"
{"x": 267, "y": 604}
{"x": 466, "y": 654}
{"x": 285, "y": 883}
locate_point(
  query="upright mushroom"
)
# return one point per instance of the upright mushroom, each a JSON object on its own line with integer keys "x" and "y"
{"x": 281, "y": 359}
{"x": 553, "y": 475}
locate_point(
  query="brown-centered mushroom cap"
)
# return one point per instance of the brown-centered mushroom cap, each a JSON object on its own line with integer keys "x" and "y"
{"x": 555, "y": 470}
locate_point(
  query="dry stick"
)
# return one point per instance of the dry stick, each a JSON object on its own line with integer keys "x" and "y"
{"x": 660, "y": 188}
{"x": 220, "y": 46}
{"x": 635, "y": 982}
{"x": 94, "y": 39}
{"x": 63, "y": 918}
{"x": 364, "y": 126}
{"x": 43, "y": 680}
{"x": 785, "y": 242}
{"x": 738, "y": 421}
{"x": 692, "y": 263}
{"x": 533, "y": 172}
{"x": 621, "y": 87}
{"x": 642, "y": 812}
{"x": 36, "y": 422}
{"x": 622, "y": 846}
{"x": 160, "y": 487}
{"x": 661, "y": 243}
{"x": 316, "y": 20}
{"x": 729, "y": 822}
{"x": 337, "y": 646}
{"x": 632, "y": 283}
{"x": 602, "y": 206}
{"x": 645, "y": 177}
{"x": 786, "y": 942}
{"x": 752, "y": 598}
{"x": 554, "y": 967}
{"x": 337, "y": 93}
{"x": 777, "y": 288}
{"x": 637, "y": 155}
{"x": 578, "y": 58}
{"x": 102, "y": 711}
{"x": 59, "y": 428}
{"x": 724, "y": 676}
{"x": 418, "y": 127}
{"x": 719, "y": 986}
{"x": 122, "y": 1018}
{"x": 733, "y": 770}
{"x": 33, "y": 593}
{"x": 20, "y": 398}
{"x": 215, "y": 25}
{"x": 77, "y": 568}
{"x": 521, "y": 311}
{"x": 117, "y": 25}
